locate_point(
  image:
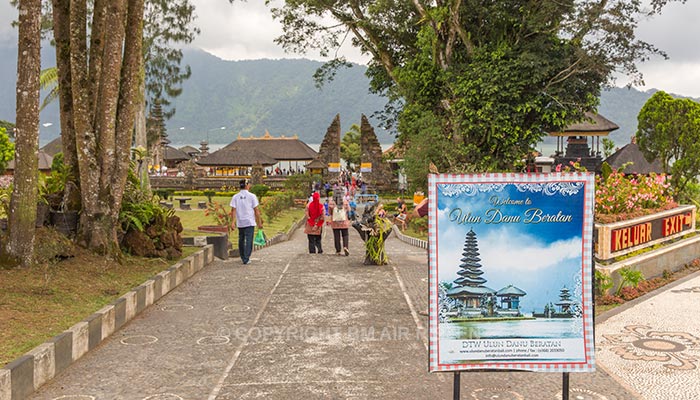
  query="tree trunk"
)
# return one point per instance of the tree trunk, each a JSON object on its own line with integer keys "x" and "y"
{"x": 24, "y": 195}
{"x": 104, "y": 96}
{"x": 61, "y": 28}
{"x": 140, "y": 138}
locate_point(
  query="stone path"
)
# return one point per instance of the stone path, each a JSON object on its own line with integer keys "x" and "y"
{"x": 298, "y": 326}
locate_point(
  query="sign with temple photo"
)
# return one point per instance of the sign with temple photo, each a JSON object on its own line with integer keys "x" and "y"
{"x": 511, "y": 272}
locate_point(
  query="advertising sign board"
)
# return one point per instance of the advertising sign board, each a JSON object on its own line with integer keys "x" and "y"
{"x": 511, "y": 272}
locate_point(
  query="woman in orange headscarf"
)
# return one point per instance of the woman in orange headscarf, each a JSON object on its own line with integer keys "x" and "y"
{"x": 314, "y": 223}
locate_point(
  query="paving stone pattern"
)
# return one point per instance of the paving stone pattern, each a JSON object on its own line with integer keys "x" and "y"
{"x": 297, "y": 326}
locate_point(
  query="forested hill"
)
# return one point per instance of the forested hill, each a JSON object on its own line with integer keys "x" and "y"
{"x": 250, "y": 97}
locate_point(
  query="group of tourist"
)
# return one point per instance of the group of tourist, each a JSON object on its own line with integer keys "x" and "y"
{"x": 338, "y": 211}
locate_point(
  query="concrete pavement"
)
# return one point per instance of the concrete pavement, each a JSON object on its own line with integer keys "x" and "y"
{"x": 297, "y": 326}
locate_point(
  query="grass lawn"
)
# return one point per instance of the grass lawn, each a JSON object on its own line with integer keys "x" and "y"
{"x": 40, "y": 302}
{"x": 192, "y": 219}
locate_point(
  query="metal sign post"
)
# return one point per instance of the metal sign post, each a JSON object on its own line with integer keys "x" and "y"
{"x": 456, "y": 386}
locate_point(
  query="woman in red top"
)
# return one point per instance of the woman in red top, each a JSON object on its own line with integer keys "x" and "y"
{"x": 314, "y": 223}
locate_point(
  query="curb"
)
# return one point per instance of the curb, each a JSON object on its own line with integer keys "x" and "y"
{"x": 423, "y": 244}
{"x": 23, "y": 376}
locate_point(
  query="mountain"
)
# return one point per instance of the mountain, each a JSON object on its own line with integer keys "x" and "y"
{"x": 250, "y": 97}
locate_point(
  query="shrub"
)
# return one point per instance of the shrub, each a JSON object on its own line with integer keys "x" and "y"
{"x": 164, "y": 194}
{"x": 603, "y": 283}
{"x": 209, "y": 194}
{"x": 273, "y": 206}
{"x": 630, "y": 278}
{"x": 221, "y": 215}
{"x": 259, "y": 190}
{"x": 623, "y": 197}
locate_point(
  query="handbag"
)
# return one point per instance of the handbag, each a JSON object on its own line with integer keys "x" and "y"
{"x": 260, "y": 239}
{"x": 312, "y": 229}
{"x": 339, "y": 215}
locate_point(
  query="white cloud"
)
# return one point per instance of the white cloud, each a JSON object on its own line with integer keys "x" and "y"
{"x": 505, "y": 252}
{"x": 528, "y": 255}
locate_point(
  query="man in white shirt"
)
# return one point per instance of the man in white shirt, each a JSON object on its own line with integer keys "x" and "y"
{"x": 245, "y": 213}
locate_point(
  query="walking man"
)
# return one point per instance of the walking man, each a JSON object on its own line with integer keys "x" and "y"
{"x": 245, "y": 213}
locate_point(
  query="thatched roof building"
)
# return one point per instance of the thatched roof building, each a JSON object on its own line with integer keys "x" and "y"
{"x": 632, "y": 154}
{"x": 266, "y": 150}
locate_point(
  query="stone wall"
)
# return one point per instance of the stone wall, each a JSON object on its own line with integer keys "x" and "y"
{"x": 329, "y": 152}
{"x": 380, "y": 176}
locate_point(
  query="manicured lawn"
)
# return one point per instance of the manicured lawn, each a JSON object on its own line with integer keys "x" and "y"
{"x": 195, "y": 218}
{"x": 40, "y": 302}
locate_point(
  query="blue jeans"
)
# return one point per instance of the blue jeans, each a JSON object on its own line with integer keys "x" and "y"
{"x": 245, "y": 242}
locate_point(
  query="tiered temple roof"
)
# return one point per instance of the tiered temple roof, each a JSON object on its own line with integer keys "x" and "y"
{"x": 470, "y": 283}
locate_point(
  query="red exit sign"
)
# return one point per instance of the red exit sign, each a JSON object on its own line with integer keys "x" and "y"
{"x": 635, "y": 235}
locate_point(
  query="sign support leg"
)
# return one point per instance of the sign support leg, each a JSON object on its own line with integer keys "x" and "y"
{"x": 456, "y": 387}
{"x": 565, "y": 387}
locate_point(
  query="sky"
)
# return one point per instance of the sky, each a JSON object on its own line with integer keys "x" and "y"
{"x": 535, "y": 254}
{"x": 246, "y": 30}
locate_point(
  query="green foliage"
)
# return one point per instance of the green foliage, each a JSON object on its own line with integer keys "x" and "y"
{"x": 220, "y": 214}
{"x": 140, "y": 209}
{"x": 8, "y": 126}
{"x": 608, "y": 147}
{"x": 209, "y": 194}
{"x": 629, "y": 277}
{"x": 164, "y": 194}
{"x": 7, "y": 149}
{"x": 274, "y": 206}
{"x": 259, "y": 190}
{"x": 669, "y": 130}
{"x": 469, "y": 95}
{"x": 603, "y": 282}
{"x": 300, "y": 185}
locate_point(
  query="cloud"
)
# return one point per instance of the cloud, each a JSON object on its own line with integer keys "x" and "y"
{"x": 505, "y": 252}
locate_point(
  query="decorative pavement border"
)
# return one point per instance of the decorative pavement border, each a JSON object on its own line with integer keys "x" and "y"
{"x": 23, "y": 376}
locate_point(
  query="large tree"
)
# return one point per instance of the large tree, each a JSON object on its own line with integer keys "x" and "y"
{"x": 99, "y": 79}
{"x": 486, "y": 79}
{"x": 24, "y": 194}
{"x": 669, "y": 130}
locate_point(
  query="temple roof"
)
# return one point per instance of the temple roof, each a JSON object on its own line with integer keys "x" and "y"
{"x": 189, "y": 150}
{"x": 173, "y": 154}
{"x": 45, "y": 161}
{"x": 632, "y": 153}
{"x": 511, "y": 290}
{"x": 237, "y": 158}
{"x": 468, "y": 290}
{"x": 593, "y": 124}
{"x": 316, "y": 164}
{"x": 277, "y": 148}
{"x": 53, "y": 147}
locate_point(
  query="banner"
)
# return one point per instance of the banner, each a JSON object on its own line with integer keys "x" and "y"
{"x": 511, "y": 272}
{"x": 333, "y": 167}
{"x": 366, "y": 167}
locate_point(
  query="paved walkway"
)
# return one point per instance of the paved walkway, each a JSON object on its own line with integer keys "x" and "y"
{"x": 298, "y": 326}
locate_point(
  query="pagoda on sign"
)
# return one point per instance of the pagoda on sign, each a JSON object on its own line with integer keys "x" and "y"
{"x": 469, "y": 288}
{"x": 566, "y": 307}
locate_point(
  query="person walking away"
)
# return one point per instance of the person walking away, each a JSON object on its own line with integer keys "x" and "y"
{"x": 340, "y": 222}
{"x": 314, "y": 223}
{"x": 245, "y": 213}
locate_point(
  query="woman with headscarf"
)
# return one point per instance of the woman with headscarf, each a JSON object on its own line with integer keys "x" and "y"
{"x": 340, "y": 222}
{"x": 314, "y": 223}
